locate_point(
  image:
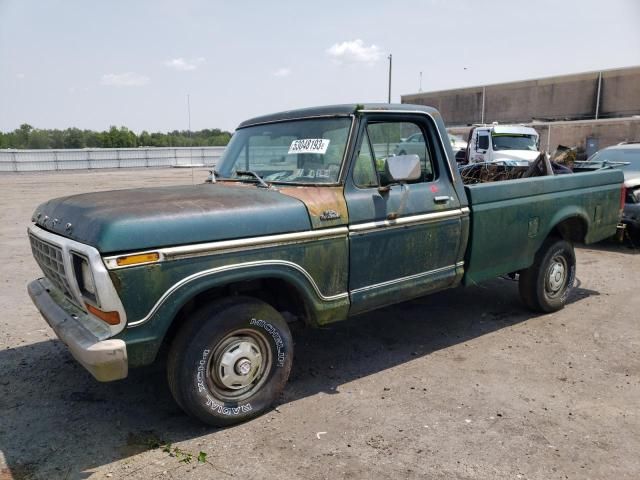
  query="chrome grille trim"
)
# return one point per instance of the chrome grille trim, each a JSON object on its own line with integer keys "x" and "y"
{"x": 50, "y": 259}
{"x": 54, "y": 254}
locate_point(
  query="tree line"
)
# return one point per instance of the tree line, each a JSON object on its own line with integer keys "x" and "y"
{"x": 27, "y": 136}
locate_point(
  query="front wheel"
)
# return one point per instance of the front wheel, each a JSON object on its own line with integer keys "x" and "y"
{"x": 230, "y": 361}
{"x": 545, "y": 285}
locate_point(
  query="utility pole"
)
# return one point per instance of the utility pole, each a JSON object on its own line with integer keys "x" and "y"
{"x": 598, "y": 94}
{"x": 420, "y": 89}
{"x": 484, "y": 91}
{"x": 189, "y": 114}
{"x": 189, "y": 134}
{"x": 390, "y": 61}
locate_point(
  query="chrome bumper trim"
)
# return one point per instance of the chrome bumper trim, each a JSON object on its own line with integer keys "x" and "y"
{"x": 407, "y": 221}
{"x": 106, "y": 359}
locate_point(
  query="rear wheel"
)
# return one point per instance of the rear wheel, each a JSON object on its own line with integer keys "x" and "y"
{"x": 230, "y": 362}
{"x": 545, "y": 286}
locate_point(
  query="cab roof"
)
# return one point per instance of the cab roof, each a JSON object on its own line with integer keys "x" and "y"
{"x": 623, "y": 146}
{"x": 506, "y": 129}
{"x": 336, "y": 111}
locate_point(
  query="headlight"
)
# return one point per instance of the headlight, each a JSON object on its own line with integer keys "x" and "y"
{"x": 84, "y": 277}
{"x": 87, "y": 277}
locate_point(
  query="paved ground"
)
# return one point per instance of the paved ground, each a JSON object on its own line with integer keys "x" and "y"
{"x": 464, "y": 384}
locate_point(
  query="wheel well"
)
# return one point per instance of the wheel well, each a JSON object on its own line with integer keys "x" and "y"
{"x": 278, "y": 293}
{"x": 573, "y": 229}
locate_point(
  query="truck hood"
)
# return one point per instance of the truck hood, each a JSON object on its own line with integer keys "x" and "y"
{"x": 138, "y": 219}
{"x": 631, "y": 178}
{"x": 521, "y": 155}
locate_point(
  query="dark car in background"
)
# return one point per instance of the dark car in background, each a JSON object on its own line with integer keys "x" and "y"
{"x": 626, "y": 157}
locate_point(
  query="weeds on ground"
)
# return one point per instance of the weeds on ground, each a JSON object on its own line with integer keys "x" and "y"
{"x": 183, "y": 456}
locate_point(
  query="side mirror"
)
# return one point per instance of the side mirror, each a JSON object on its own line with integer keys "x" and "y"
{"x": 403, "y": 168}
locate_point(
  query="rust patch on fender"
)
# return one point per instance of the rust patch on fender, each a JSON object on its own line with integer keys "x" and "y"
{"x": 326, "y": 205}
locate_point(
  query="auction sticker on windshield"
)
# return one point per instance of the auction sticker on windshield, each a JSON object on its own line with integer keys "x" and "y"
{"x": 309, "y": 145}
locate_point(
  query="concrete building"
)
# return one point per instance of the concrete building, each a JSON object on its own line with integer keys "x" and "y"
{"x": 589, "y": 110}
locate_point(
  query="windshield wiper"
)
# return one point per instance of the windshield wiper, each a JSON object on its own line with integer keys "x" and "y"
{"x": 263, "y": 184}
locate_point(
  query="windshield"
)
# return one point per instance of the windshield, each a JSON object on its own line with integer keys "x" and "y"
{"x": 623, "y": 155}
{"x": 299, "y": 151}
{"x": 512, "y": 141}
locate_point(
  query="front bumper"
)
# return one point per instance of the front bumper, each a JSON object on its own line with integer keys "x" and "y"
{"x": 105, "y": 359}
{"x": 632, "y": 223}
{"x": 631, "y": 215}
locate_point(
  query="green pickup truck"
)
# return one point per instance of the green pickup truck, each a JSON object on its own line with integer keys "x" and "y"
{"x": 313, "y": 215}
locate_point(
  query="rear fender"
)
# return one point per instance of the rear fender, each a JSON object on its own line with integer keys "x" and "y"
{"x": 564, "y": 222}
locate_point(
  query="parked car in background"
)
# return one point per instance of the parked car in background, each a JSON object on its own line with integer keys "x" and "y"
{"x": 507, "y": 144}
{"x": 459, "y": 147}
{"x": 457, "y": 142}
{"x": 626, "y": 157}
{"x": 412, "y": 145}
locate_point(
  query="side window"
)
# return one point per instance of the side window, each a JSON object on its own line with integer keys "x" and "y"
{"x": 483, "y": 141}
{"x": 364, "y": 173}
{"x": 400, "y": 138}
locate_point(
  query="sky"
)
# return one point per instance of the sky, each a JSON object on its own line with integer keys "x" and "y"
{"x": 92, "y": 64}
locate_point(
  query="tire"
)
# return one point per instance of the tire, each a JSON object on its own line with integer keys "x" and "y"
{"x": 230, "y": 361}
{"x": 545, "y": 285}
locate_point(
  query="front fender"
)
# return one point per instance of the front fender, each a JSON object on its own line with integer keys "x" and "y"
{"x": 145, "y": 336}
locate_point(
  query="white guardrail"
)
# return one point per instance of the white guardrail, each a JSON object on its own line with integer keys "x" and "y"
{"x": 14, "y": 160}
{"x": 90, "y": 158}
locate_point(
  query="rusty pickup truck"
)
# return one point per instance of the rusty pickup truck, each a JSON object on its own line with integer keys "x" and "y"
{"x": 311, "y": 215}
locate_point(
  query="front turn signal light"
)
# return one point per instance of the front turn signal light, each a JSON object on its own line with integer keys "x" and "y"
{"x": 112, "y": 318}
{"x": 137, "y": 259}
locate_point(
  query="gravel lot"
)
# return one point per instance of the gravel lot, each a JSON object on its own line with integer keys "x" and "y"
{"x": 464, "y": 384}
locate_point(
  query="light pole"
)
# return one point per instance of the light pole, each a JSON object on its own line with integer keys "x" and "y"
{"x": 189, "y": 113}
{"x": 189, "y": 135}
{"x": 390, "y": 61}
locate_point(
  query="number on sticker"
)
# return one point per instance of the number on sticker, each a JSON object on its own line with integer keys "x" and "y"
{"x": 309, "y": 145}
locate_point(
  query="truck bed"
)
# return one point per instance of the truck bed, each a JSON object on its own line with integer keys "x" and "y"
{"x": 511, "y": 219}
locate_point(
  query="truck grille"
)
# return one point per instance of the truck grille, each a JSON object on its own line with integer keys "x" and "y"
{"x": 50, "y": 259}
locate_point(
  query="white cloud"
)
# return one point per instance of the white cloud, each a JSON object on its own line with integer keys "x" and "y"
{"x": 127, "y": 79}
{"x": 184, "y": 64}
{"x": 282, "y": 72}
{"x": 355, "y": 51}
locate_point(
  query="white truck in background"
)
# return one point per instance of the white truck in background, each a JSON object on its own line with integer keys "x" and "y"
{"x": 506, "y": 144}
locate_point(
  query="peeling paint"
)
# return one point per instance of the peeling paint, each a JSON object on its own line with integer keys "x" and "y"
{"x": 320, "y": 200}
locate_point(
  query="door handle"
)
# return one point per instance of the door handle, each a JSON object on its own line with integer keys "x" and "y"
{"x": 441, "y": 199}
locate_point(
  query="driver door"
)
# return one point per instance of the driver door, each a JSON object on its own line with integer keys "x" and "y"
{"x": 403, "y": 239}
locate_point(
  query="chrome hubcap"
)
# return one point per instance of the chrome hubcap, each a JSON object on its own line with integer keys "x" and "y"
{"x": 243, "y": 367}
{"x": 239, "y": 364}
{"x": 557, "y": 276}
